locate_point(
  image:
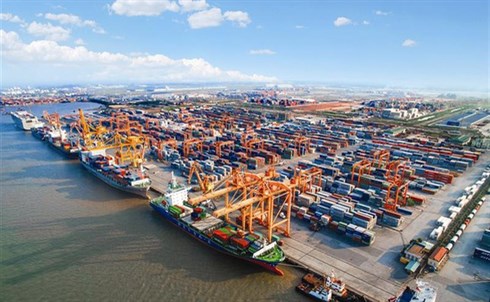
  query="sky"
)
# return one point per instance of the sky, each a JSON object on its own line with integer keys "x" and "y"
{"x": 413, "y": 44}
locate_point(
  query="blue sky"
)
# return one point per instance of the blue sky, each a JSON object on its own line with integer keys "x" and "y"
{"x": 426, "y": 44}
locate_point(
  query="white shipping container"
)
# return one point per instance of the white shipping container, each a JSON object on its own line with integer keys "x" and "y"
{"x": 445, "y": 225}
{"x": 434, "y": 234}
{"x": 454, "y": 209}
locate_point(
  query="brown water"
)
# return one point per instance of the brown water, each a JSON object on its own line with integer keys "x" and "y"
{"x": 66, "y": 236}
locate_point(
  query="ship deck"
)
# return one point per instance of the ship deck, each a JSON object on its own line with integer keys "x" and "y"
{"x": 203, "y": 224}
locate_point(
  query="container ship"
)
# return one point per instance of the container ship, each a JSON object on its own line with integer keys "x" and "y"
{"x": 60, "y": 141}
{"x": 120, "y": 177}
{"x": 40, "y": 133}
{"x": 215, "y": 232}
{"x": 25, "y": 120}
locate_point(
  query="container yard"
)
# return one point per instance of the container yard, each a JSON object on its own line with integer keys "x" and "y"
{"x": 338, "y": 194}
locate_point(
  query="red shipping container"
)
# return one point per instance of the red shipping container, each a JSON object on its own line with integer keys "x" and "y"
{"x": 240, "y": 242}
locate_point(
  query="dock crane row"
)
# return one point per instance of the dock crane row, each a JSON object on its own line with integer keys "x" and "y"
{"x": 258, "y": 198}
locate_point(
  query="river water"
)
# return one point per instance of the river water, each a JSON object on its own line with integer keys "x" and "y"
{"x": 66, "y": 236}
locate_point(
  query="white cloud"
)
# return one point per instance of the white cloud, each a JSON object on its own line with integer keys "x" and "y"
{"x": 65, "y": 19}
{"x": 99, "y": 30}
{"x": 75, "y": 20}
{"x": 11, "y": 18}
{"x": 208, "y": 18}
{"x": 366, "y": 22}
{"x": 213, "y": 17}
{"x": 89, "y": 66}
{"x": 299, "y": 26}
{"x": 238, "y": 17}
{"x": 202, "y": 16}
{"x": 48, "y": 31}
{"x": 193, "y": 5}
{"x": 382, "y": 13}
{"x": 262, "y": 52}
{"x": 79, "y": 41}
{"x": 342, "y": 21}
{"x": 409, "y": 43}
{"x": 143, "y": 7}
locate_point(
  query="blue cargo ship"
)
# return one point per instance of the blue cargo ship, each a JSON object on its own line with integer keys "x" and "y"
{"x": 215, "y": 232}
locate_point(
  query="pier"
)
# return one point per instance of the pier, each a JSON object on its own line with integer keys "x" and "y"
{"x": 360, "y": 282}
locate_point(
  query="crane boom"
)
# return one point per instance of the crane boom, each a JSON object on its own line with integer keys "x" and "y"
{"x": 236, "y": 206}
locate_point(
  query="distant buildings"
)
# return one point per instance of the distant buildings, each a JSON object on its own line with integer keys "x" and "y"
{"x": 395, "y": 113}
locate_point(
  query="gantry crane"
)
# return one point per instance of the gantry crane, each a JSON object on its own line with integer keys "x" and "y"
{"x": 252, "y": 144}
{"x": 227, "y": 122}
{"x": 258, "y": 198}
{"x": 301, "y": 142}
{"x": 131, "y": 149}
{"x": 53, "y": 119}
{"x": 172, "y": 143}
{"x": 381, "y": 158}
{"x": 397, "y": 183}
{"x": 305, "y": 179}
{"x": 95, "y": 136}
{"x": 205, "y": 183}
{"x": 152, "y": 123}
{"x": 188, "y": 144}
{"x": 396, "y": 168}
{"x": 123, "y": 125}
{"x": 219, "y": 145}
{"x": 360, "y": 167}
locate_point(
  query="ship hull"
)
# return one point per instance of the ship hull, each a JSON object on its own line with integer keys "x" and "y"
{"x": 67, "y": 154}
{"x": 209, "y": 242}
{"x": 142, "y": 192}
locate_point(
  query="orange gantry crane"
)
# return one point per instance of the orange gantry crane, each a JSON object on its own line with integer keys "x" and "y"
{"x": 160, "y": 144}
{"x": 94, "y": 135}
{"x": 381, "y": 158}
{"x": 361, "y": 167}
{"x": 131, "y": 149}
{"x": 228, "y": 122}
{"x": 152, "y": 123}
{"x": 53, "y": 119}
{"x": 205, "y": 183}
{"x": 301, "y": 142}
{"x": 398, "y": 187}
{"x": 304, "y": 180}
{"x": 172, "y": 143}
{"x": 257, "y": 198}
{"x": 187, "y": 146}
{"x": 252, "y": 144}
{"x": 123, "y": 125}
{"x": 219, "y": 145}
